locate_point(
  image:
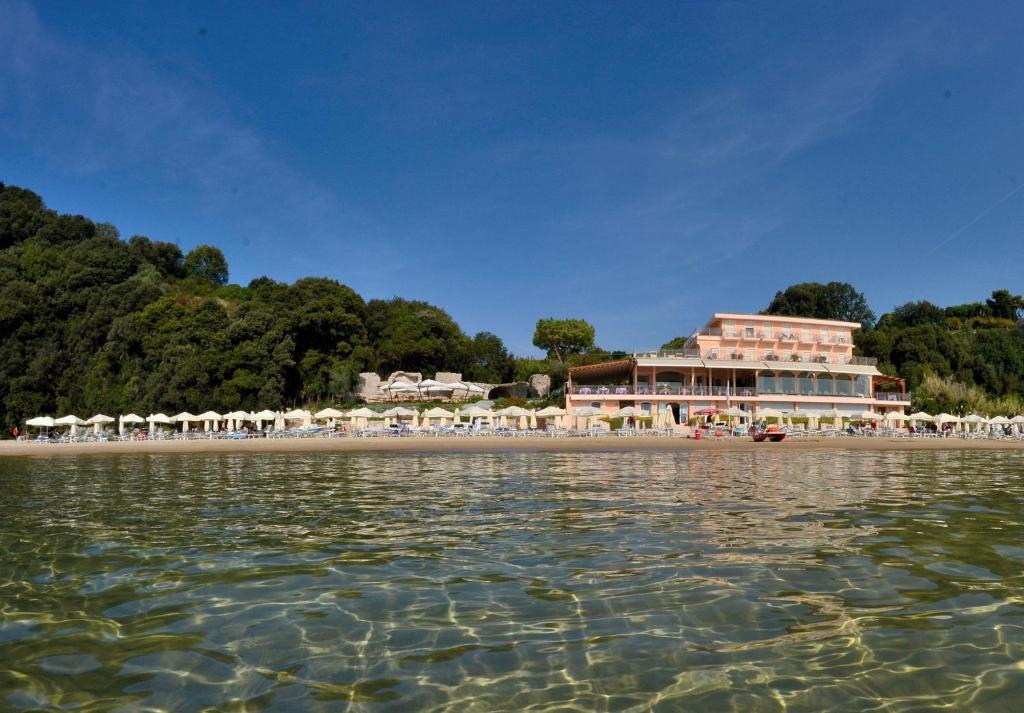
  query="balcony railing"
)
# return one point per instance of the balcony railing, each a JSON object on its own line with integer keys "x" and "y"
{"x": 893, "y": 396}
{"x": 731, "y": 391}
{"x": 668, "y": 354}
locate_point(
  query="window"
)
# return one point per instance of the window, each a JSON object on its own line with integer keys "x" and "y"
{"x": 730, "y": 329}
{"x": 824, "y": 334}
{"x": 768, "y": 331}
{"x": 749, "y": 331}
{"x": 750, "y": 354}
{"x": 807, "y": 334}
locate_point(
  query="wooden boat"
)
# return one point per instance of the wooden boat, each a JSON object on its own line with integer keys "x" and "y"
{"x": 771, "y": 436}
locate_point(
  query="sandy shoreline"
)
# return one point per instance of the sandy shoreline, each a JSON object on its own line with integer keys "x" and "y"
{"x": 486, "y": 443}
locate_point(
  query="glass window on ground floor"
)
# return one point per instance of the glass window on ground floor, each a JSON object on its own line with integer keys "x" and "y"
{"x": 844, "y": 385}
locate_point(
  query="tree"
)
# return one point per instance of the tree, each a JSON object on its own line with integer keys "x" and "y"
{"x": 208, "y": 264}
{"x": 562, "y": 337}
{"x": 835, "y": 300}
{"x": 490, "y": 361}
{"x": 1005, "y": 305}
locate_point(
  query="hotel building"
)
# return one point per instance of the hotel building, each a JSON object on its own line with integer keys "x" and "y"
{"x": 749, "y": 361}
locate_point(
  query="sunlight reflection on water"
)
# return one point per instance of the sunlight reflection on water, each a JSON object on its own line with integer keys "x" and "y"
{"x": 741, "y": 581}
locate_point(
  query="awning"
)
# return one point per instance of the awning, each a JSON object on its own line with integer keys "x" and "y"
{"x": 854, "y": 369}
{"x": 807, "y": 366}
{"x": 605, "y": 371}
{"x": 733, "y": 364}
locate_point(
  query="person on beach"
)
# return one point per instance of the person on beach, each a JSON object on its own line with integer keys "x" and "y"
{"x": 14, "y": 432}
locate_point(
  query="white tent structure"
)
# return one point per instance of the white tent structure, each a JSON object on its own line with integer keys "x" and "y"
{"x": 520, "y": 416}
{"x": 430, "y": 386}
{"x": 552, "y": 412}
{"x": 71, "y": 421}
{"x": 157, "y": 418}
{"x": 331, "y": 415}
{"x": 298, "y": 414}
{"x": 235, "y": 419}
{"x": 975, "y": 420}
{"x": 587, "y": 413}
{"x": 401, "y": 387}
{"x": 40, "y": 422}
{"x": 184, "y": 418}
{"x": 946, "y": 418}
{"x": 999, "y": 421}
{"x": 477, "y": 414}
{"x": 437, "y": 414}
{"x": 264, "y": 416}
{"x": 98, "y": 422}
{"x": 129, "y": 418}
{"x": 209, "y": 419}
{"x": 361, "y": 416}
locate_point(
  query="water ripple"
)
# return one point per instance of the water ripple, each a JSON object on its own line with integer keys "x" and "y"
{"x": 740, "y": 581}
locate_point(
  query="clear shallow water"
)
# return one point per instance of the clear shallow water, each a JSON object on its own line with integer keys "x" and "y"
{"x": 747, "y": 581}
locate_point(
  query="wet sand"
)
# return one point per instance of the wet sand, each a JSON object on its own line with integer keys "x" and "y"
{"x": 493, "y": 443}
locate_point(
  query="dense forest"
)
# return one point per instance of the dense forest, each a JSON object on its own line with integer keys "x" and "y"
{"x": 93, "y": 323}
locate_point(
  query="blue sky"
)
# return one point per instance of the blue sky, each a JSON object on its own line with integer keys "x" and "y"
{"x": 639, "y": 165}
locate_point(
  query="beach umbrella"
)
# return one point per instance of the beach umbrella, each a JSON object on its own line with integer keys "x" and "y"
{"x": 455, "y": 417}
{"x": 330, "y": 414}
{"x": 1018, "y": 419}
{"x": 999, "y": 421}
{"x": 475, "y": 412}
{"x": 415, "y": 419}
{"x": 299, "y": 414}
{"x": 768, "y": 413}
{"x": 264, "y": 415}
{"x": 437, "y": 413}
{"x": 975, "y": 419}
{"x": 533, "y": 420}
{"x": 627, "y": 412}
{"x": 402, "y": 387}
{"x": 130, "y": 418}
{"x": 98, "y": 421}
{"x": 922, "y": 416}
{"x": 184, "y": 418}
{"x": 896, "y": 416}
{"x": 209, "y": 419}
{"x": 670, "y": 417}
{"x": 946, "y": 418}
{"x": 40, "y": 422}
{"x": 869, "y": 415}
{"x": 156, "y": 418}
{"x": 236, "y": 417}
{"x": 552, "y": 412}
{"x": 435, "y": 387}
{"x": 360, "y": 416}
{"x": 586, "y": 412}
{"x": 71, "y": 421}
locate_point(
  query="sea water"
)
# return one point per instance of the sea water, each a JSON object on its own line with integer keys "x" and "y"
{"x": 729, "y": 581}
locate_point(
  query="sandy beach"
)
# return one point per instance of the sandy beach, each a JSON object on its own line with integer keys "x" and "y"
{"x": 486, "y": 443}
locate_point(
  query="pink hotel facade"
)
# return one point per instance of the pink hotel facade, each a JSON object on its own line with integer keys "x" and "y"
{"x": 749, "y": 361}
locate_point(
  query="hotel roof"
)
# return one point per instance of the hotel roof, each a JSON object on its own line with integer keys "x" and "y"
{"x": 783, "y": 318}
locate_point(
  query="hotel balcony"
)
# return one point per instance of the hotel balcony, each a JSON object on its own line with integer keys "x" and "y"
{"x": 620, "y": 391}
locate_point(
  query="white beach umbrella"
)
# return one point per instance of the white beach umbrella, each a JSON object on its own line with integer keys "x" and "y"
{"x": 770, "y": 413}
{"x": 533, "y": 420}
{"x": 40, "y": 422}
{"x": 434, "y": 386}
{"x": 669, "y": 417}
{"x": 209, "y": 418}
{"x": 627, "y": 412}
{"x": 476, "y": 412}
{"x": 998, "y": 421}
{"x": 98, "y": 421}
{"x": 896, "y": 416}
{"x": 184, "y": 418}
{"x": 1018, "y": 419}
{"x": 455, "y": 417}
{"x": 71, "y": 421}
{"x": 155, "y": 418}
{"x": 330, "y": 414}
{"x": 552, "y": 412}
{"x": 360, "y": 416}
{"x": 586, "y": 412}
{"x": 922, "y": 416}
{"x": 266, "y": 415}
{"x": 129, "y": 418}
{"x": 437, "y": 414}
{"x": 946, "y": 418}
{"x": 974, "y": 418}
{"x": 299, "y": 414}
{"x": 234, "y": 419}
